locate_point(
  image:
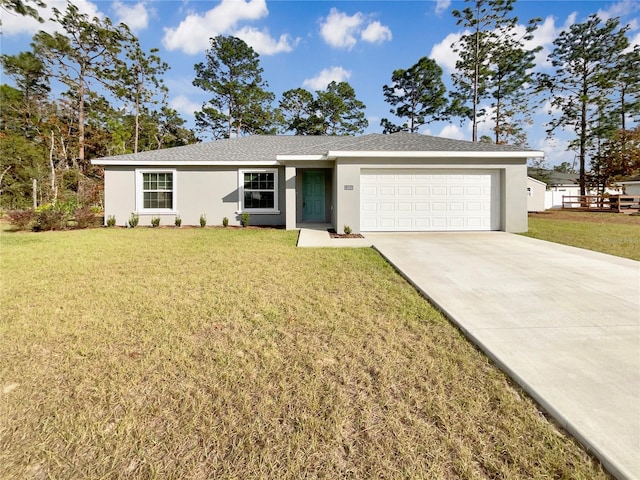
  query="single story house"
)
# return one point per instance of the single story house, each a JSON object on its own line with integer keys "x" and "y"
{"x": 536, "y": 195}
{"x": 375, "y": 182}
{"x": 631, "y": 185}
{"x": 561, "y": 184}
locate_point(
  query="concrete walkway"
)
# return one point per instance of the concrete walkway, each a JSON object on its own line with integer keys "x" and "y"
{"x": 561, "y": 321}
{"x": 317, "y": 235}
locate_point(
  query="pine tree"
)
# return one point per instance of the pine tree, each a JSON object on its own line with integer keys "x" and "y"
{"x": 240, "y": 102}
{"x": 418, "y": 94}
{"x": 587, "y": 58}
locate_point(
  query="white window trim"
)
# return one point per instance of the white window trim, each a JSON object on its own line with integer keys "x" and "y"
{"x": 271, "y": 211}
{"x": 140, "y": 191}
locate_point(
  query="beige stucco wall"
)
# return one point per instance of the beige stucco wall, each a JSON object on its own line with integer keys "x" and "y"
{"x": 536, "y": 193}
{"x": 212, "y": 191}
{"x": 513, "y": 188}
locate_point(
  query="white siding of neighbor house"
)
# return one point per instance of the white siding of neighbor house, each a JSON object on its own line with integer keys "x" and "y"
{"x": 554, "y": 195}
{"x": 632, "y": 188}
{"x": 212, "y": 191}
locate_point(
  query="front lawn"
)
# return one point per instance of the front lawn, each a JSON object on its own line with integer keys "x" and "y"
{"x": 613, "y": 233}
{"x": 213, "y": 353}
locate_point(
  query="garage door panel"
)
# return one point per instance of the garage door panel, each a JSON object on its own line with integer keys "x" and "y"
{"x": 369, "y": 207}
{"x": 413, "y": 200}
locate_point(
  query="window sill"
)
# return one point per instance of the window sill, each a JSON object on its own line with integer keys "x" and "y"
{"x": 258, "y": 211}
{"x": 157, "y": 212}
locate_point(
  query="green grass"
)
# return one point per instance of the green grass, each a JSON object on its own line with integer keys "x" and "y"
{"x": 219, "y": 353}
{"x": 615, "y": 234}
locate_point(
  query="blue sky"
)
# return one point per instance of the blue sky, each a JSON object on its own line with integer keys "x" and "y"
{"x": 309, "y": 43}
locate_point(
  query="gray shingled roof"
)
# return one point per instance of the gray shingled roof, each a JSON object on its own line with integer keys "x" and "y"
{"x": 256, "y": 148}
{"x": 554, "y": 178}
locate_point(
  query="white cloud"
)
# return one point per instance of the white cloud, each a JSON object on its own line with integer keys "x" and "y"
{"x": 263, "y": 43}
{"x": 543, "y": 37}
{"x": 453, "y": 132}
{"x": 339, "y": 30}
{"x": 548, "y": 109}
{"x": 184, "y": 106}
{"x": 376, "y": 33}
{"x": 485, "y": 124}
{"x": 635, "y": 40}
{"x": 325, "y": 77}
{"x": 13, "y": 24}
{"x": 193, "y": 33}
{"x": 442, "y": 5}
{"x": 135, "y": 16}
{"x": 620, "y": 9}
{"x": 555, "y": 150}
{"x": 443, "y": 53}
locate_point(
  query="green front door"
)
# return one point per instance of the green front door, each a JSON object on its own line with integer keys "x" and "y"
{"x": 313, "y": 197}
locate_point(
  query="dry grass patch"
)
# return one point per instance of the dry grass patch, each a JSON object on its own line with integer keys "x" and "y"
{"x": 211, "y": 353}
{"x": 613, "y": 233}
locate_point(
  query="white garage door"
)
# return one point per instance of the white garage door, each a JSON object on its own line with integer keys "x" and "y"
{"x": 429, "y": 200}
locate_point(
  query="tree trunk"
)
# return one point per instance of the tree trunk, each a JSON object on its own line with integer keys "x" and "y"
{"x": 137, "y": 132}
{"x": 52, "y": 167}
{"x": 476, "y": 81}
{"x": 583, "y": 146}
{"x": 80, "y": 159}
{"x": 498, "y": 107}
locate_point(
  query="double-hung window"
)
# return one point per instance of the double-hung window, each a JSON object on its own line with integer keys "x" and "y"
{"x": 156, "y": 190}
{"x": 259, "y": 190}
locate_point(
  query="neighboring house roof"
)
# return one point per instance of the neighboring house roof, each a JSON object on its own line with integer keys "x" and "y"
{"x": 270, "y": 149}
{"x": 552, "y": 177}
{"x": 535, "y": 180}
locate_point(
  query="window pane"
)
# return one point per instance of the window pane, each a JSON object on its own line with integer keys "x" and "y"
{"x": 259, "y": 181}
{"x": 157, "y": 190}
{"x": 258, "y": 200}
{"x": 158, "y": 200}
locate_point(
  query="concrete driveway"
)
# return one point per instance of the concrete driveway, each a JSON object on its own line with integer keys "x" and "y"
{"x": 561, "y": 321}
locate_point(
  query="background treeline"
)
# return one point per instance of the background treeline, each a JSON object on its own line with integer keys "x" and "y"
{"x": 92, "y": 91}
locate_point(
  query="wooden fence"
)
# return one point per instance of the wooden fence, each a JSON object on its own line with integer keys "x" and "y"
{"x": 599, "y": 203}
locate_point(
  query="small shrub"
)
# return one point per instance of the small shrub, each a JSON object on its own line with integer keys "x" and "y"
{"x": 178, "y": 221}
{"x": 21, "y": 219}
{"x": 155, "y": 221}
{"x": 347, "y": 230}
{"x": 244, "y": 219}
{"x": 49, "y": 217}
{"x": 134, "y": 219}
{"x": 111, "y": 221}
{"x": 203, "y": 220}
{"x": 225, "y": 222}
{"x": 84, "y": 217}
